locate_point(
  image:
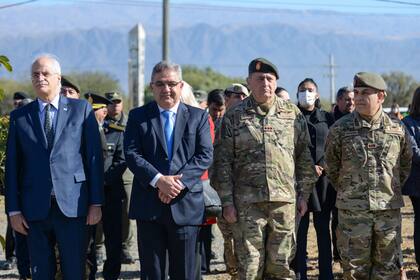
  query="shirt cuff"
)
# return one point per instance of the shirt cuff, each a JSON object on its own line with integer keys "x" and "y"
{"x": 14, "y": 213}
{"x": 155, "y": 179}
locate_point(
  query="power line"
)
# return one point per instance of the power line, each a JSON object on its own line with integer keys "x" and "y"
{"x": 400, "y": 2}
{"x": 16, "y": 4}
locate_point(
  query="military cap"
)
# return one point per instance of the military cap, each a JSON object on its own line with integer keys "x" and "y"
{"x": 19, "y": 95}
{"x": 97, "y": 101}
{"x": 262, "y": 65}
{"x": 69, "y": 82}
{"x": 237, "y": 89}
{"x": 200, "y": 95}
{"x": 113, "y": 96}
{"x": 372, "y": 80}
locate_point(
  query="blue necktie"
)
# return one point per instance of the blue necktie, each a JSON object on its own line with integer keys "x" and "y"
{"x": 49, "y": 132}
{"x": 169, "y": 132}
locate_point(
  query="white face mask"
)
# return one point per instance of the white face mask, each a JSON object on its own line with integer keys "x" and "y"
{"x": 306, "y": 98}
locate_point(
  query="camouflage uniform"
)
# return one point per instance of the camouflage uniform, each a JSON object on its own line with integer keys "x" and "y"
{"x": 262, "y": 156}
{"x": 367, "y": 163}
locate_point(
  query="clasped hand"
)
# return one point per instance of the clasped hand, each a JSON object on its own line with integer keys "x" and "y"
{"x": 169, "y": 187}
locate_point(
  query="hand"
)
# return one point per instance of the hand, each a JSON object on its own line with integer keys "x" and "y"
{"x": 170, "y": 185}
{"x": 319, "y": 169}
{"x": 302, "y": 206}
{"x": 164, "y": 198}
{"x": 19, "y": 224}
{"x": 230, "y": 214}
{"x": 94, "y": 215}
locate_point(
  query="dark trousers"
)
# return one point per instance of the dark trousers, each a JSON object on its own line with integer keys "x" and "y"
{"x": 334, "y": 224}
{"x": 111, "y": 221}
{"x": 10, "y": 241}
{"x": 22, "y": 255}
{"x": 416, "y": 206}
{"x": 91, "y": 253}
{"x": 71, "y": 237}
{"x": 157, "y": 237}
{"x": 322, "y": 227}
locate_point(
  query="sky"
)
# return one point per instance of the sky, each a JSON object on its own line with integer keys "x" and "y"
{"x": 351, "y": 6}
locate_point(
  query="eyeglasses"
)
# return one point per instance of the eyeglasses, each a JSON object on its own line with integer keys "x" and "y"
{"x": 36, "y": 75}
{"x": 235, "y": 94}
{"x": 161, "y": 84}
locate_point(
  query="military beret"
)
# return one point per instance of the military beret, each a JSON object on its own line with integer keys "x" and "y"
{"x": 97, "y": 101}
{"x": 262, "y": 65}
{"x": 113, "y": 96}
{"x": 372, "y": 80}
{"x": 237, "y": 89}
{"x": 19, "y": 95}
{"x": 69, "y": 82}
{"x": 200, "y": 95}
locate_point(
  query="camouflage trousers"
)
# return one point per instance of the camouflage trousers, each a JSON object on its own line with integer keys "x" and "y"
{"x": 229, "y": 246}
{"x": 369, "y": 243}
{"x": 266, "y": 240}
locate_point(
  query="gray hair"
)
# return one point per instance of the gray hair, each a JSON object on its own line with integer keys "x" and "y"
{"x": 167, "y": 66}
{"x": 55, "y": 63}
{"x": 342, "y": 91}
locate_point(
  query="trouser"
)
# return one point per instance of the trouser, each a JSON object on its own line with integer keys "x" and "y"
{"x": 22, "y": 255}
{"x": 71, "y": 236}
{"x": 321, "y": 221}
{"x": 10, "y": 241}
{"x": 334, "y": 224}
{"x": 369, "y": 243}
{"x": 111, "y": 221}
{"x": 416, "y": 207}
{"x": 267, "y": 240}
{"x": 128, "y": 229}
{"x": 228, "y": 246}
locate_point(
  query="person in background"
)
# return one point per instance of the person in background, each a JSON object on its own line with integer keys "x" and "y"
{"x": 216, "y": 105}
{"x": 116, "y": 117}
{"x": 395, "y": 111}
{"x": 282, "y": 93}
{"x": 322, "y": 199}
{"x": 411, "y": 187}
{"x": 344, "y": 106}
{"x": 201, "y": 98}
{"x": 69, "y": 88}
{"x": 18, "y": 97}
{"x": 234, "y": 94}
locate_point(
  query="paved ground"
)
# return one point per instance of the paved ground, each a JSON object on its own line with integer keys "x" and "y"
{"x": 218, "y": 267}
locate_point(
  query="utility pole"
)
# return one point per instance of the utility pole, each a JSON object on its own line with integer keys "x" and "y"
{"x": 165, "y": 31}
{"x": 331, "y": 75}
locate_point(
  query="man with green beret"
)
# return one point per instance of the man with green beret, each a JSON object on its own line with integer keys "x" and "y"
{"x": 368, "y": 157}
{"x": 69, "y": 88}
{"x": 116, "y": 118}
{"x": 265, "y": 174}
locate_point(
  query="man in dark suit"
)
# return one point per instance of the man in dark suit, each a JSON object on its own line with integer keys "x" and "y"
{"x": 54, "y": 174}
{"x": 168, "y": 147}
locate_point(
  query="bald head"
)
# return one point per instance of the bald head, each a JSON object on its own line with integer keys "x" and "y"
{"x": 46, "y": 77}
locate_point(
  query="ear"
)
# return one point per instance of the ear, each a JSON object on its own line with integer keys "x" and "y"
{"x": 247, "y": 80}
{"x": 181, "y": 85}
{"x": 381, "y": 96}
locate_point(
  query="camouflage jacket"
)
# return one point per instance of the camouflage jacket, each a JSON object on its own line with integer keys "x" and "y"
{"x": 263, "y": 158}
{"x": 368, "y": 163}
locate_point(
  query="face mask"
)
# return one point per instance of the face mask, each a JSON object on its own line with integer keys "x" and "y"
{"x": 306, "y": 98}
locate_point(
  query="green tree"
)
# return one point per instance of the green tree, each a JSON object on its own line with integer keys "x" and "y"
{"x": 98, "y": 82}
{"x": 400, "y": 88}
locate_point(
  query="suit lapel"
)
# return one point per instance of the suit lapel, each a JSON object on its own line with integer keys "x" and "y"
{"x": 62, "y": 117}
{"x": 154, "y": 116}
{"x": 36, "y": 124}
{"x": 180, "y": 123}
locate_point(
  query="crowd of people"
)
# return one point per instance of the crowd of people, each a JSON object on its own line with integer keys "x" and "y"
{"x": 79, "y": 170}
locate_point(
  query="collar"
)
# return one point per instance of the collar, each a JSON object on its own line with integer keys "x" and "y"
{"x": 173, "y": 109}
{"x": 54, "y": 103}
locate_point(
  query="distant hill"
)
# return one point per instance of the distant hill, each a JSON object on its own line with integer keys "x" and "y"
{"x": 298, "y": 42}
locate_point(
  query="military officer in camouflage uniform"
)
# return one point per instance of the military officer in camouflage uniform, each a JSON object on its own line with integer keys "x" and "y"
{"x": 368, "y": 159}
{"x": 266, "y": 172}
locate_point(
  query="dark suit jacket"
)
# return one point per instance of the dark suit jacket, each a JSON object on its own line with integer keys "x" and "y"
{"x": 146, "y": 156}
{"x": 73, "y": 167}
